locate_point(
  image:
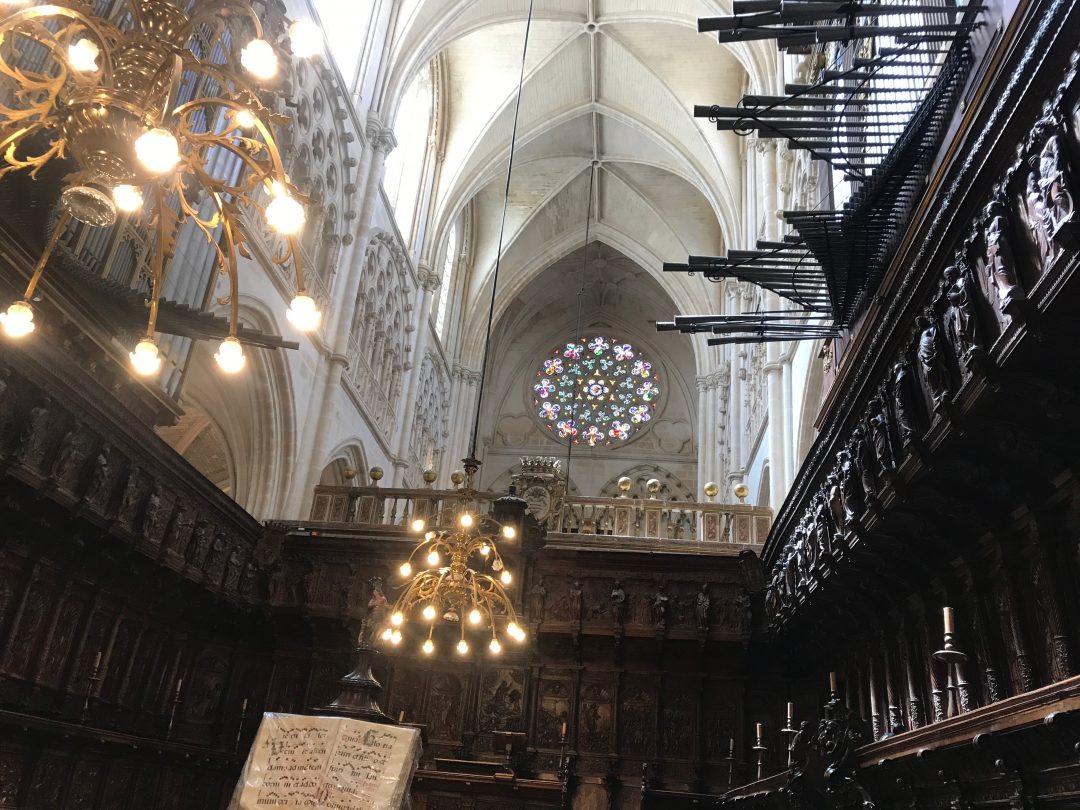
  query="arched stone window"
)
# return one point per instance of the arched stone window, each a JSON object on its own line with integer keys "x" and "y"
{"x": 449, "y": 263}
{"x": 429, "y": 421}
{"x": 404, "y": 169}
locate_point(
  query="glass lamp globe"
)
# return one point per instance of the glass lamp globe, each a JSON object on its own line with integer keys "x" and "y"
{"x": 305, "y": 316}
{"x": 305, "y": 39}
{"x": 18, "y": 321}
{"x": 418, "y": 525}
{"x": 505, "y": 577}
{"x": 495, "y": 646}
{"x": 230, "y": 356}
{"x": 405, "y": 569}
{"x": 82, "y": 55}
{"x": 475, "y": 616}
{"x": 157, "y": 150}
{"x": 244, "y": 118}
{"x": 128, "y": 198}
{"x": 430, "y": 613}
{"x": 146, "y": 359}
{"x": 463, "y": 647}
{"x": 397, "y": 619}
{"x": 433, "y": 558}
{"x": 508, "y": 532}
{"x": 259, "y": 59}
{"x": 428, "y": 647}
{"x": 286, "y": 216}
{"x": 466, "y": 520}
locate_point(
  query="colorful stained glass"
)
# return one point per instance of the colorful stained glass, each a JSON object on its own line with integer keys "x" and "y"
{"x": 595, "y": 391}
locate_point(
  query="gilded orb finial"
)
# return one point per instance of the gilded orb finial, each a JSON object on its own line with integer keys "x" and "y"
{"x": 653, "y": 486}
{"x": 349, "y": 473}
{"x": 429, "y": 477}
{"x": 625, "y": 483}
{"x": 711, "y": 489}
{"x": 741, "y": 491}
{"x": 457, "y": 478}
{"x": 376, "y": 474}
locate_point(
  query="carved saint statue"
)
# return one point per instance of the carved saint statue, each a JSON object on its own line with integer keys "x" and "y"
{"x": 1054, "y": 179}
{"x": 1000, "y": 261}
{"x": 33, "y": 444}
{"x": 903, "y": 401}
{"x": 879, "y": 434}
{"x": 660, "y": 607}
{"x": 618, "y": 604}
{"x": 835, "y": 498}
{"x": 701, "y": 608}
{"x": 931, "y": 361}
{"x": 537, "y": 596}
{"x": 74, "y": 450}
{"x": 1038, "y": 219}
{"x": 850, "y": 486}
{"x": 863, "y": 458}
{"x": 823, "y": 530}
{"x": 960, "y": 324}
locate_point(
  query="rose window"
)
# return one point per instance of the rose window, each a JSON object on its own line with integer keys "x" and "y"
{"x": 595, "y": 391}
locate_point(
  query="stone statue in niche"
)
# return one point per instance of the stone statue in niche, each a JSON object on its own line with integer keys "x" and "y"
{"x": 903, "y": 398}
{"x": 215, "y": 561}
{"x": 1038, "y": 218}
{"x": 961, "y": 327}
{"x": 233, "y": 570}
{"x": 850, "y": 485}
{"x": 248, "y": 580}
{"x": 1054, "y": 179}
{"x": 930, "y": 360}
{"x": 179, "y": 537}
{"x": 75, "y": 448}
{"x": 200, "y": 543}
{"x": 537, "y": 597}
{"x": 618, "y": 604}
{"x": 701, "y": 607}
{"x": 1000, "y": 260}
{"x": 34, "y": 441}
{"x": 879, "y": 434}
{"x": 157, "y": 512}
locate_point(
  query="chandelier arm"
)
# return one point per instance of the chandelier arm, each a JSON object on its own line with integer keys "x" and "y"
{"x": 239, "y": 192}
{"x": 230, "y": 266}
{"x": 176, "y": 66}
{"x": 223, "y": 11}
{"x": 158, "y": 269}
{"x": 56, "y": 149}
{"x": 39, "y": 269}
{"x": 298, "y": 264}
{"x": 53, "y": 10}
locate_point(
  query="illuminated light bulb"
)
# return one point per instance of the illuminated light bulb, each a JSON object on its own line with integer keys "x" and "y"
{"x": 463, "y": 646}
{"x": 429, "y": 536}
{"x": 485, "y": 550}
{"x": 428, "y": 647}
{"x": 82, "y": 55}
{"x": 259, "y": 59}
{"x": 418, "y": 525}
{"x": 387, "y": 634}
{"x": 433, "y": 558}
{"x": 515, "y": 632}
{"x": 244, "y": 118}
{"x": 508, "y": 532}
{"x": 475, "y": 616}
{"x": 146, "y": 359}
{"x": 305, "y": 39}
{"x": 397, "y": 619}
{"x": 158, "y": 150}
{"x": 430, "y": 613}
{"x": 497, "y": 565}
{"x": 495, "y": 646}
{"x": 18, "y": 321}
{"x": 302, "y": 312}
{"x": 395, "y": 637}
{"x": 286, "y": 216}
{"x": 466, "y": 520}
{"x": 230, "y": 356}
{"x": 128, "y": 198}
{"x": 405, "y": 569}
{"x": 505, "y": 578}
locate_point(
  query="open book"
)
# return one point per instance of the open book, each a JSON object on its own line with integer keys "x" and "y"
{"x": 299, "y": 763}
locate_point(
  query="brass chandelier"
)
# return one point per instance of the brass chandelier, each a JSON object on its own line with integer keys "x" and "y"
{"x": 107, "y": 95}
{"x": 465, "y": 577}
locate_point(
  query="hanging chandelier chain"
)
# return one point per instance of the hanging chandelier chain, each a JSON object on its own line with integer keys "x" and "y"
{"x": 502, "y": 232}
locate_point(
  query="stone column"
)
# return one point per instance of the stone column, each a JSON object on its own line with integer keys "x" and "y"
{"x": 706, "y": 443}
{"x": 774, "y": 382}
{"x": 429, "y": 282}
{"x": 735, "y": 411}
{"x": 789, "y": 419}
{"x": 328, "y": 379}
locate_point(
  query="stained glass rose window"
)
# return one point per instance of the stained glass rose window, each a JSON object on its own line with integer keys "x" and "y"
{"x": 595, "y": 391}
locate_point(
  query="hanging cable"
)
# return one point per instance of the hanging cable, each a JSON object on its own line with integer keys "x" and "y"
{"x": 593, "y": 171}
{"x": 502, "y": 231}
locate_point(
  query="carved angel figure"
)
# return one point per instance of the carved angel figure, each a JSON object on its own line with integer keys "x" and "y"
{"x": 1000, "y": 261}
{"x": 931, "y": 361}
{"x": 1053, "y": 177}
